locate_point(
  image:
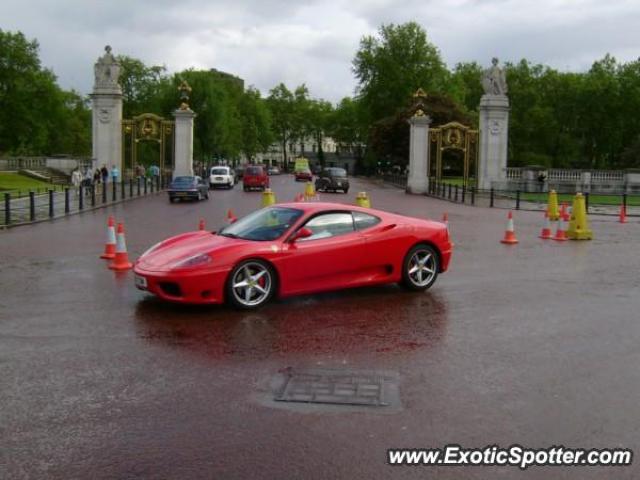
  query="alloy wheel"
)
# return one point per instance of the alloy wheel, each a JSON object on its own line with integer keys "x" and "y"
{"x": 422, "y": 267}
{"x": 251, "y": 284}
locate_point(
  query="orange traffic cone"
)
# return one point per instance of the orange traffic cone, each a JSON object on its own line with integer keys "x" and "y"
{"x": 110, "y": 246}
{"x": 121, "y": 260}
{"x": 231, "y": 218}
{"x": 545, "y": 234}
{"x": 509, "y": 234}
{"x": 445, "y": 219}
{"x": 299, "y": 198}
{"x": 623, "y": 213}
{"x": 561, "y": 230}
{"x": 564, "y": 212}
{"x": 201, "y": 224}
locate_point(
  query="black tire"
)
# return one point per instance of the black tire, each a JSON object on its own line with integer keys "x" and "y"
{"x": 346, "y": 190}
{"x": 411, "y": 280}
{"x": 171, "y": 199}
{"x": 245, "y": 189}
{"x": 268, "y": 282}
{"x": 206, "y": 195}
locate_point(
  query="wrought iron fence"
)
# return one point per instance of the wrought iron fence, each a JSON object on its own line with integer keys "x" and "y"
{"x": 605, "y": 204}
{"x": 57, "y": 202}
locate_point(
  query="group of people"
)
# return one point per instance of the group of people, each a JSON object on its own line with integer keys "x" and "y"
{"x": 103, "y": 175}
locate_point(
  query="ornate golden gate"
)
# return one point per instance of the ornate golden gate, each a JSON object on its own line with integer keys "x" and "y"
{"x": 147, "y": 128}
{"x": 454, "y": 136}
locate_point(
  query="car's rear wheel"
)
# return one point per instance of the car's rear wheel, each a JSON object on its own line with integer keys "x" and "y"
{"x": 420, "y": 267}
{"x": 251, "y": 284}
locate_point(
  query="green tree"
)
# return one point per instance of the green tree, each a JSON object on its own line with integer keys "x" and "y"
{"x": 281, "y": 102}
{"x": 30, "y": 100}
{"x": 255, "y": 123}
{"x": 319, "y": 114}
{"x": 392, "y": 66}
{"x": 142, "y": 86}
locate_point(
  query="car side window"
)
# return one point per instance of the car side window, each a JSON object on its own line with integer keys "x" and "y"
{"x": 329, "y": 225}
{"x": 364, "y": 220}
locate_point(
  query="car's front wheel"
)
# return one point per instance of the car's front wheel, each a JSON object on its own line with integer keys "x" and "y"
{"x": 420, "y": 267}
{"x": 251, "y": 284}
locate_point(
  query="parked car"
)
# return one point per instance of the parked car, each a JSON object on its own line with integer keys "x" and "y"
{"x": 332, "y": 179}
{"x": 193, "y": 188}
{"x": 221, "y": 177}
{"x": 255, "y": 176}
{"x": 273, "y": 171}
{"x": 303, "y": 175}
{"x": 292, "y": 249}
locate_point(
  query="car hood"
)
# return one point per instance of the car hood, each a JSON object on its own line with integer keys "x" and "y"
{"x": 167, "y": 253}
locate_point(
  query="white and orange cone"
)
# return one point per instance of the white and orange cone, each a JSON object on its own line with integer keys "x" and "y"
{"x": 110, "y": 246}
{"x": 121, "y": 260}
{"x": 509, "y": 234}
{"x": 231, "y": 218}
{"x": 545, "y": 234}
{"x": 445, "y": 220}
{"x": 561, "y": 230}
{"x": 201, "y": 224}
{"x": 623, "y": 214}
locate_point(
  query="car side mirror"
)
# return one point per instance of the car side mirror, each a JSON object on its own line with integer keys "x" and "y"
{"x": 304, "y": 232}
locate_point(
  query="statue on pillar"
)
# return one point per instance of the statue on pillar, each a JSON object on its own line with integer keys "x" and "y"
{"x": 494, "y": 80}
{"x": 107, "y": 70}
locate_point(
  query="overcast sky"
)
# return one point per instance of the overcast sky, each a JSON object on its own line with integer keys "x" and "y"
{"x": 313, "y": 42}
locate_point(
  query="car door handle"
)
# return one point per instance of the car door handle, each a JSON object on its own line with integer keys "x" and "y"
{"x": 388, "y": 227}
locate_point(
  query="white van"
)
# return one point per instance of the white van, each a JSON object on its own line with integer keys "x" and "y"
{"x": 221, "y": 176}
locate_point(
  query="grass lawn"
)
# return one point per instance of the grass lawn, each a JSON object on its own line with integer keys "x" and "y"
{"x": 17, "y": 184}
{"x": 458, "y": 181}
{"x": 594, "y": 199}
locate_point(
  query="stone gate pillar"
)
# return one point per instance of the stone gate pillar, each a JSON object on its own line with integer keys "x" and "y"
{"x": 106, "y": 103}
{"x": 418, "y": 181}
{"x": 494, "y": 128}
{"x": 183, "y": 142}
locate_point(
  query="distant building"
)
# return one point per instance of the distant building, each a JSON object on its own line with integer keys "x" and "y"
{"x": 335, "y": 154}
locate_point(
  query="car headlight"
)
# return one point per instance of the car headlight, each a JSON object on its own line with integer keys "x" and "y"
{"x": 194, "y": 260}
{"x": 148, "y": 251}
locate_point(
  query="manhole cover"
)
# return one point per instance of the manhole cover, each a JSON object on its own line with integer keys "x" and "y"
{"x": 334, "y": 387}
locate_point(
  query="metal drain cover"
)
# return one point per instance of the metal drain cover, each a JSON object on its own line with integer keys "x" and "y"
{"x": 334, "y": 387}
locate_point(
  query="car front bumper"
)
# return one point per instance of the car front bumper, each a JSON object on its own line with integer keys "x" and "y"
{"x": 195, "y": 287}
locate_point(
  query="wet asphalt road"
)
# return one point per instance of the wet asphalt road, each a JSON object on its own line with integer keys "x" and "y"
{"x": 537, "y": 344}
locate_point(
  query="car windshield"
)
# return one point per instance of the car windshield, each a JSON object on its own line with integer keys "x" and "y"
{"x": 183, "y": 180}
{"x": 218, "y": 171}
{"x": 263, "y": 225}
{"x": 253, "y": 171}
{"x": 337, "y": 172}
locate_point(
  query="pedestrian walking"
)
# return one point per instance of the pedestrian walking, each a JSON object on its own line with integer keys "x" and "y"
{"x": 104, "y": 173}
{"x": 76, "y": 179}
{"x": 115, "y": 173}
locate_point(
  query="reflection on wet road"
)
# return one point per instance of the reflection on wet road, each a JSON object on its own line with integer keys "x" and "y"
{"x": 534, "y": 344}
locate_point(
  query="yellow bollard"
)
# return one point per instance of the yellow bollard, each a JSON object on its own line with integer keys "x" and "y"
{"x": 268, "y": 197}
{"x": 552, "y": 207}
{"x": 309, "y": 191}
{"x": 362, "y": 200}
{"x": 579, "y": 223}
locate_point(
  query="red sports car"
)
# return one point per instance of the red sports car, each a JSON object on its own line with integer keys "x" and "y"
{"x": 292, "y": 249}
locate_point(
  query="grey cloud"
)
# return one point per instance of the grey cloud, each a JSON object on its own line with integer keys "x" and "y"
{"x": 313, "y": 42}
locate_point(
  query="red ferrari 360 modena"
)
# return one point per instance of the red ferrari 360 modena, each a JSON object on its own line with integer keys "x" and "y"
{"x": 293, "y": 249}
